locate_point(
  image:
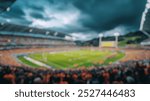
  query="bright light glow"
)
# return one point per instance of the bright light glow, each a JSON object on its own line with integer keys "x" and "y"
{"x": 47, "y": 33}
{"x": 8, "y": 20}
{"x": 56, "y": 33}
{"x": 101, "y": 35}
{"x": 148, "y": 5}
{"x": 30, "y": 30}
{"x": 117, "y": 34}
{"x": 68, "y": 37}
{"x": 8, "y": 9}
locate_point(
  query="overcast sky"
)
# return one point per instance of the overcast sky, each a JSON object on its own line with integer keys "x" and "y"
{"x": 83, "y": 19}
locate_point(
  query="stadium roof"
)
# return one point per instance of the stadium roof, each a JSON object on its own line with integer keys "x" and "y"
{"x": 13, "y": 29}
{"x": 30, "y": 35}
{"x": 4, "y": 4}
{"x": 7, "y": 28}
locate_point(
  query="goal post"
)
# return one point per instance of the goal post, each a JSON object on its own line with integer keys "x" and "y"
{"x": 109, "y": 43}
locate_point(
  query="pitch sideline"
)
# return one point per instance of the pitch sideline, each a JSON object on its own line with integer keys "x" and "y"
{"x": 36, "y": 62}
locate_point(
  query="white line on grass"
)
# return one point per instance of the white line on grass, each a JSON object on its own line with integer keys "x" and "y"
{"x": 36, "y": 62}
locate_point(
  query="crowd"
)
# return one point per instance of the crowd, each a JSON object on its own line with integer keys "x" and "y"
{"x": 131, "y": 72}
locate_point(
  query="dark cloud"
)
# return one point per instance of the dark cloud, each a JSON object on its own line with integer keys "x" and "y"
{"x": 36, "y": 15}
{"x": 108, "y": 14}
{"x": 78, "y": 16}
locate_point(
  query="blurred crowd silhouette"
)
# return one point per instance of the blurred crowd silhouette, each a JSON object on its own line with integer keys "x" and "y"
{"x": 131, "y": 72}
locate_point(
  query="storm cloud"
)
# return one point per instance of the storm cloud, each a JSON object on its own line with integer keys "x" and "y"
{"x": 85, "y": 18}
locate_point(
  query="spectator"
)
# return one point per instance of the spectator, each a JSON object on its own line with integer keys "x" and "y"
{"x": 131, "y": 72}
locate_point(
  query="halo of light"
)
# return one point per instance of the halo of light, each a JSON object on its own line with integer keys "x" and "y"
{"x": 101, "y": 35}
{"x": 116, "y": 34}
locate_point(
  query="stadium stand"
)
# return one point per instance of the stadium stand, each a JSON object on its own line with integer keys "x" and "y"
{"x": 4, "y": 4}
{"x": 7, "y": 28}
{"x": 16, "y": 41}
{"x": 17, "y": 36}
{"x": 130, "y": 72}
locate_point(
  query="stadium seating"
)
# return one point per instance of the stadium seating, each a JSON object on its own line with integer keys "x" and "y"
{"x": 125, "y": 73}
{"x": 9, "y": 42}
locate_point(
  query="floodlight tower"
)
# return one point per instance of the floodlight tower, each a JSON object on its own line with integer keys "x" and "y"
{"x": 144, "y": 26}
{"x": 100, "y": 39}
{"x": 116, "y": 38}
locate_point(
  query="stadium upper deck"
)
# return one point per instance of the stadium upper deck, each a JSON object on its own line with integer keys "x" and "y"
{"x": 14, "y": 29}
{"x": 16, "y": 36}
{"x": 4, "y": 4}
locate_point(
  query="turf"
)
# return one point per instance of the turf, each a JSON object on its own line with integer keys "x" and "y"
{"x": 76, "y": 59}
{"x": 26, "y": 62}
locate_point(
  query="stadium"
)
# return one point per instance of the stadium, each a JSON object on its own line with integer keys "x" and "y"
{"x": 33, "y": 55}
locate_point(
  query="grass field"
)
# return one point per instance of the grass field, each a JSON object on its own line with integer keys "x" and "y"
{"x": 75, "y": 59}
{"x": 23, "y": 60}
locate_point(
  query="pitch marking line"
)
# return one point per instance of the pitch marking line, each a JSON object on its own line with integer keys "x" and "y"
{"x": 36, "y": 62}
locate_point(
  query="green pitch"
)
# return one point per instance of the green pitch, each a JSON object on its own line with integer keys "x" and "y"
{"x": 76, "y": 59}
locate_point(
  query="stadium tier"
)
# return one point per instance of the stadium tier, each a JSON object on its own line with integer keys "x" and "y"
{"x": 16, "y": 36}
{"x": 16, "y": 41}
{"x": 15, "y": 29}
{"x": 4, "y": 4}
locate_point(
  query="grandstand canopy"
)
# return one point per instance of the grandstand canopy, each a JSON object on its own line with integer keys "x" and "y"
{"x": 12, "y": 29}
{"x": 5, "y": 4}
{"x": 22, "y": 30}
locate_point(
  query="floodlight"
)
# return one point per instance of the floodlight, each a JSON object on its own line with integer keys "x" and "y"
{"x": 100, "y": 39}
{"x": 47, "y": 32}
{"x": 68, "y": 37}
{"x": 56, "y": 33}
{"x": 8, "y": 20}
{"x": 8, "y": 9}
{"x": 116, "y": 34}
{"x": 101, "y": 35}
{"x": 30, "y": 30}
